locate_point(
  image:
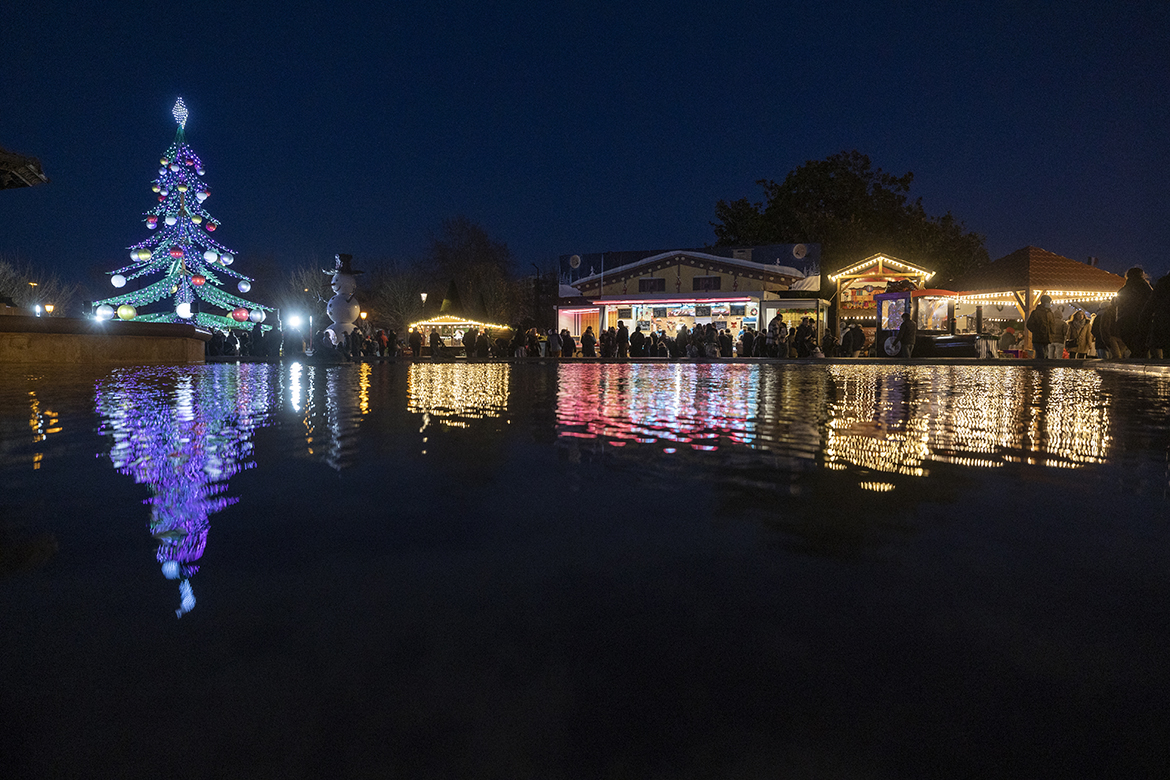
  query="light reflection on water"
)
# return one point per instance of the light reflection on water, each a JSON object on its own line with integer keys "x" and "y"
{"x": 452, "y": 394}
{"x": 185, "y": 431}
{"x": 884, "y": 418}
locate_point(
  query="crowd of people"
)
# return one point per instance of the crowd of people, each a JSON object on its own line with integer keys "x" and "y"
{"x": 701, "y": 341}
{"x": 1135, "y": 324}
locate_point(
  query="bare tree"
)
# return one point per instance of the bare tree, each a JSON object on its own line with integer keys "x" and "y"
{"x": 29, "y": 286}
{"x": 393, "y": 295}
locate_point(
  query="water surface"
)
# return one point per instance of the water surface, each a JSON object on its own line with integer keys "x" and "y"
{"x": 500, "y": 570}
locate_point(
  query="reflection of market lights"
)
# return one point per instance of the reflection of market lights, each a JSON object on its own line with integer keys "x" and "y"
{"x": 877, "y": 487}
{"x": 981, "y": 416}
{"x": 43, "y": 422}
{"x": 183, "y": 432}
{"x": 450, "y": 394}
{"x": 694, "y": 405}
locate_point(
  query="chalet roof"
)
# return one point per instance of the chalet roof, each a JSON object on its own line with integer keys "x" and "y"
{"x": 1038, "y": 269}
{"x": 899, "y": 267}
{"x": 16, "y": 170}
{"x": 632, "y": 269}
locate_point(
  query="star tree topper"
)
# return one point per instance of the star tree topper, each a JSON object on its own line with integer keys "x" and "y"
{"x": 180, "y": 113}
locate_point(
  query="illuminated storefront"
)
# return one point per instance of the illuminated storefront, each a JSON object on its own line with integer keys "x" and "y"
{"x": 671, "y": 290}
{"x": 452, "y": 327}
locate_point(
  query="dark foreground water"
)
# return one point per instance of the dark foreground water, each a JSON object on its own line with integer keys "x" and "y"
{"x": 584, "y": 572}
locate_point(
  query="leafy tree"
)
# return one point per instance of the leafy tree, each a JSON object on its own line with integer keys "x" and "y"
{"x": 852, "y": 210}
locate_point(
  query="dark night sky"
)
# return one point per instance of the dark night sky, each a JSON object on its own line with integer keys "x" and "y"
{"x": 580, "y": 126}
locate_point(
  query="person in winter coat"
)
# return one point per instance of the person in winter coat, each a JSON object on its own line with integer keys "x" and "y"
{"x": 622, "y": 340}
{"x": 852, "y": 340}
{"x": 638, "y": 343}
{"x": 1131, "y": 301}
{"x": 1059, "y": 335}
{"x": 554, "y": 343}
{"x": 568, "y": 345}
{"x": 1079, "y": 342}
{"x": 907, "y": 336}
{"x": 1156, "y": 316}
{"x": 1042, "y": 324}
{"x": 415, "y": 340}
{"x": 588, "y": 343}
{"x": 781, "y": 347}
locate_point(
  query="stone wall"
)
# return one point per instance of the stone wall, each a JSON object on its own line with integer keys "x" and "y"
{"x": 67, "y": 340}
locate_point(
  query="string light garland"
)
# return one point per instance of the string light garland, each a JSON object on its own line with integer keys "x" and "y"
{"x": 193, "y": 265}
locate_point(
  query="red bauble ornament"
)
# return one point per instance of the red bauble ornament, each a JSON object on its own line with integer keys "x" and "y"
{"x": 176, "y": 253}
{"x": 198, "y": 280}
{"x": 211, "y": 226}
{"x": 240, "y": 314}
{"x": 161, "y": 198}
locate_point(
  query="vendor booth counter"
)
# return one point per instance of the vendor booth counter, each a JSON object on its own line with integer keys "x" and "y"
{"x": 933, "y": 311}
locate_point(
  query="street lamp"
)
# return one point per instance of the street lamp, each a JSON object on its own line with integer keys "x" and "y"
{"x": 424, "y": 298}
{"x": 49, "y": 308}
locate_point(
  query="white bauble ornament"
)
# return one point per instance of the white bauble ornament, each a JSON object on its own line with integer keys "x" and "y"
{"x": 227, "y": 259}
{"x": 244, "y": 284}
{"x": 171, "y": 220}
{"x": 162, "y": 170}
{"x": 256, "y": 315}
{"x": 104, "y": 312}
{"x": 342, "y": 310}
{"x": 210, "y": 256}
{"x": 202, "y": 195}
{"x": 200, "y": 171}
{"x": 183, "y": 310}
{"x": 173, "y": 167}
{"x": 118, "y": 280}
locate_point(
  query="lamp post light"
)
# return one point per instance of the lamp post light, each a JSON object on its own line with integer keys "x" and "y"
{"x": 49, "y": 309}
{"x": 424, "y": 298}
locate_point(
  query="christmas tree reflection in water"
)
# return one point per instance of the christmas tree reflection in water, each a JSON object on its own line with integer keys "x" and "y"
{"x": 183, "y": 432}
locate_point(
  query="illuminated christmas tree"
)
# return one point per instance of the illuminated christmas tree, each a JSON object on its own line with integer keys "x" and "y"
{"x": 193, "y": 265}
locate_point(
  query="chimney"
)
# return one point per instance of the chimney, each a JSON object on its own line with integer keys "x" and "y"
{"x": 1091, "y": 261}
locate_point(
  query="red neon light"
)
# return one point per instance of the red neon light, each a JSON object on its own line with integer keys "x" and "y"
{"x": 675, "y": 302}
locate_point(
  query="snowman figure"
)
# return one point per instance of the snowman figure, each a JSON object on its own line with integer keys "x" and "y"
{"x": 343, "y": 307}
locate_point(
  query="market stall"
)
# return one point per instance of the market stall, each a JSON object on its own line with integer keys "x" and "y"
{"x": 1010, "y": 288}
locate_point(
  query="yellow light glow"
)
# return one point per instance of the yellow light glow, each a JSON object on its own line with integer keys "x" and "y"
{"x": 449, "y": 320}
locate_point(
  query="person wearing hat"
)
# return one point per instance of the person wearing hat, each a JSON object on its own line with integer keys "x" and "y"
{"x": 1042, "y": 324}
